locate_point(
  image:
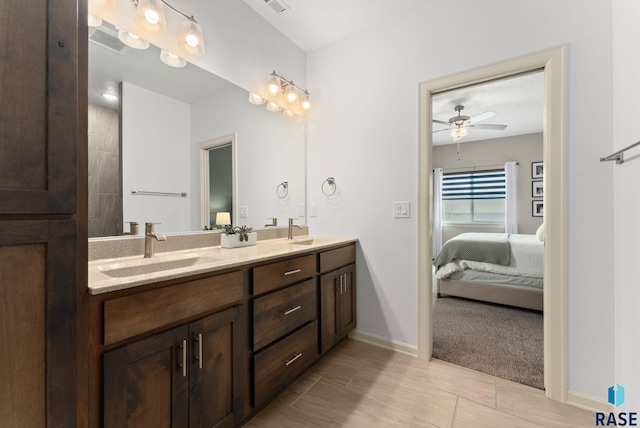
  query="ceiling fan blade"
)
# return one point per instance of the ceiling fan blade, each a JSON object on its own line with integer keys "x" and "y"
{"x": 440, "y": 130}
{"x": 442, "y": 122}
{"x": 488, "y": 126}
{"x": 482, "y": 116}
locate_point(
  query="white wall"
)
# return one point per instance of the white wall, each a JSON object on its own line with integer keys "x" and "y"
{"x": 626, "y": 88}
{"x": 270, "y": 149}
{"x": 364, "y": 131}
{"x": 155, "y": 157}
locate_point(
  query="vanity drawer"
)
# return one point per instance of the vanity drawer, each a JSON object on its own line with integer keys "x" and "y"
{"x": 334, "y": 259}
{"x": 276, "y": 275}
{"x": 279, "y": 364}
{"x": 280, "y": 312}
{"x": 132, "y": 315}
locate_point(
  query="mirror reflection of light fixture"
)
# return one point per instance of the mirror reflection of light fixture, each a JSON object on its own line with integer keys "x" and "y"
{"x": 151, "y": 17}
{"x": 223, "y": 219}
{"x": 132, "y": 40}
{"x": 93, "y": 21}
{"x": 283, "y": 93}
{"x": 110, "y": 97}
{"x": 172, "y": 59}
{"x": 256, "y": 99}
{"x": 458, "y": 131}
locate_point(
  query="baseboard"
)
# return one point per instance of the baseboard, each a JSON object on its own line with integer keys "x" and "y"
{"x": 588, "y": 402}
{"x": 383, "y": 342}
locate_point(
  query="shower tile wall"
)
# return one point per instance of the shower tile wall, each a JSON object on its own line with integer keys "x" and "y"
{"x": 105, "y": 190}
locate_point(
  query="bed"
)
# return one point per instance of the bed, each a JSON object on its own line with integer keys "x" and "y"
{"x": 493, "y": 267}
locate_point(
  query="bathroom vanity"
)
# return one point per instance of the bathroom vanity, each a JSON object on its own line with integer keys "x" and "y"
{"x": 211, "y": 341}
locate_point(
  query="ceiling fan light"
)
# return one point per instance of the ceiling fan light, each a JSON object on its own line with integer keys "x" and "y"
{"x": 150, "y": 16}
{"x": 457, "y": 132}
{"x": 172, "y": 59}
{"x": 191, "y": 39}
{"x": 132, "y": 40}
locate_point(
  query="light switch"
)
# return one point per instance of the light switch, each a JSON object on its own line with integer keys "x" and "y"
{"x": 244, "y": 212}
{"x": 401, "y": 210}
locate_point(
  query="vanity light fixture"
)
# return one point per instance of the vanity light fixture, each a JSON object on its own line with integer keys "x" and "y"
{"x": 172, "y": 59}
{"x": 132, "y": 40}
{"x": 256, "y": 99}
{"x": 150, "y": 16}
{"x": 223, "y": 219}
{"x": 283, "y": 93}
{"x": 93, "y": 21}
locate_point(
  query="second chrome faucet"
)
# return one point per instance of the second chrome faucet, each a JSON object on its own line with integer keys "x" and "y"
{"x": 291, "y": 226}
{"x": 149, "y": 238}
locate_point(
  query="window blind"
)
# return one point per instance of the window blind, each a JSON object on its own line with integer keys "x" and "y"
{"x": 474, "y": 185}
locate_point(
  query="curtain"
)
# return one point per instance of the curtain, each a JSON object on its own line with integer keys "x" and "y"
{"x": 511, "y": 201}
{"x": 437, "y": 211}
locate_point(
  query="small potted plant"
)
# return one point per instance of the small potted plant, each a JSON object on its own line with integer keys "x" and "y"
{"x": 237, "y": 236}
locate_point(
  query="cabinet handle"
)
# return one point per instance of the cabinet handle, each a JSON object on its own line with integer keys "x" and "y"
{"x": 199, "y": 339}
{"x": 345, "y": 282}
{"x": 340, "y": 284}
{"x": 292, "y": 310}
{"x": 291, "y": 272}
{"x": 293, "y": 359}
{"x": 184, "y": 358}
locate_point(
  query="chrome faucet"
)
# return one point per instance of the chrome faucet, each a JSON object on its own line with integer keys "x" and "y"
{"x": 291, "y": 226}
{"x": 149, "y": 237}
{"x": 274, "y": 222}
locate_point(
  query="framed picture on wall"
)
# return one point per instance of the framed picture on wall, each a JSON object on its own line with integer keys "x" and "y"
{"x": 537, "y": 208}
{"x": 537, "y": 191}
{"x": 537, "y": 169}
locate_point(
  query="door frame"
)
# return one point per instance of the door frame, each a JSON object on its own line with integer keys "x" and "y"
{"x": 552, "y": 61}
{"x": 203, "y": 163}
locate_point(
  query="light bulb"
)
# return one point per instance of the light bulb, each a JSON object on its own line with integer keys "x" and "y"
{"x": 287, "y": 113}
{"x": 256, "y": 99}
{"x": 172, "y": 59}
{"x": 304, "y": 101}
{"x": 190, "y": 39}
{"x": 274, "y": 85}
{"x": 271, "y": 106}
{"x": 290, "y": 92}
{"x": 110, "y": 97}
{"x": 150, "y": 16}
{"x": 132, "y": 40}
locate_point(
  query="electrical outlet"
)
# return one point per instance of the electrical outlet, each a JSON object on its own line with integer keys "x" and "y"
{"x": 244, "y": 212}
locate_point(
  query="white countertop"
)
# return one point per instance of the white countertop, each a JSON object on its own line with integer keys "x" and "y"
{"x": 106, "y": 275}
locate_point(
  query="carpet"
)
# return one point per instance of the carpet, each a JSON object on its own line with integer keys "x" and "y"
{"x": 499, "y": 340}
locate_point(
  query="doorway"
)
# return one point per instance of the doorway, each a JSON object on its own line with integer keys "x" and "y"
{"x": 552, "y": 62}
{"x": 217, "y": 180}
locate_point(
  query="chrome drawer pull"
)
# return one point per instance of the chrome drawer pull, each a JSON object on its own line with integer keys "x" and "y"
{"x": 184, "y": 358}
{"x": 199, "y": 339}
{"x": 293, "y": 359}
{"x": 291, "y": 272}
{"x": 292, "y": 310}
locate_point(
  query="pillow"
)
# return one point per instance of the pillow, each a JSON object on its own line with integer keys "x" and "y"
{"x": 540, "y": 233}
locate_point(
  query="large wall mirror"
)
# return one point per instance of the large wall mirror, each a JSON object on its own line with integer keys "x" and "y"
{"x": 145, "y": 146}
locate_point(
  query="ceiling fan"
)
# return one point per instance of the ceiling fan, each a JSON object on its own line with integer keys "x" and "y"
{"x": 459, "y": 125}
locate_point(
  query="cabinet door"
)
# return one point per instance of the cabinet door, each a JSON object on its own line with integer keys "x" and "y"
{"x": 215, "y": 384}
{"x": 146, "y": 383}
{"x": 39, "y": 93}
{"x": 347, "y": 300}
{"x": 329, "y": 311}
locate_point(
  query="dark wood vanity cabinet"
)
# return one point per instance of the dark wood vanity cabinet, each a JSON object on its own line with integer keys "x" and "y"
{"x": 337, "y": 296}
{"x": 184, "y": 377}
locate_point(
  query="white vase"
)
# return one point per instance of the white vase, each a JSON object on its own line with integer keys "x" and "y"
{"x": 233, "y": 241}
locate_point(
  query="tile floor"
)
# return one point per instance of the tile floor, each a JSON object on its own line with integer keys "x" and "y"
{"x": 360, "y": 385}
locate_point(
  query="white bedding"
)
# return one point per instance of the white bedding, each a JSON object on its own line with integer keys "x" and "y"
{"x": 526, "y": 259}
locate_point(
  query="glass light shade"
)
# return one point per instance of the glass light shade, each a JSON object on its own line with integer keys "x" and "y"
{"x": 93, "y": 21}
{"x": 132, "y": 40}
{"x": 291, "y": 94}
{"x": 458, "y": 132}
{"x": 223, "y": 218}
{"x": 304, "y": 101}
{"x": 287, "y": 113}
{"x": 274, "y": 85}
{"x": 271, "y": 106}
{"x": 190, "y": 39}
{"x": 150, "y": 16}
{"x": 172, "y": 59}
{"x": 103, "y": 4}
{"x": 256, "y": 99}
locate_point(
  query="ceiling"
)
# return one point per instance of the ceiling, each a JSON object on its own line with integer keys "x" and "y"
{"x": 313, "y": 24}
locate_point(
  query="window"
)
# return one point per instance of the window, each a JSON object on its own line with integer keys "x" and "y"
{"x": 474, "y": 197}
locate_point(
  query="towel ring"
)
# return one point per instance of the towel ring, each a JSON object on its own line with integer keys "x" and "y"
{"x": 282, "y": 190}
{"x": 329, "y": 186}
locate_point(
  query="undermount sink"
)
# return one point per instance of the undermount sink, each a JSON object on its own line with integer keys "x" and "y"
{"x": 147, "y": 266}
{"x": 305, "y": 242}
